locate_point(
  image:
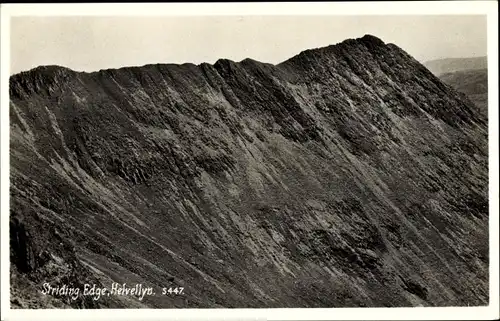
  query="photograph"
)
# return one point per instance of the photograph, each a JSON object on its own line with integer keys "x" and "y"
{"x": 247, "y": 157}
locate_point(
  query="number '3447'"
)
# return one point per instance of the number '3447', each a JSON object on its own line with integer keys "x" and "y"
{"x": 172, "y": 291}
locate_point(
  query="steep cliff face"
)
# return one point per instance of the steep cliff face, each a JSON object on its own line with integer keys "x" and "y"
{"x": 345, "y": 176}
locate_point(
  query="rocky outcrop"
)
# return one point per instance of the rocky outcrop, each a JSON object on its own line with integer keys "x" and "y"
{"x": 41, "y": 252}
{"x": 345, "y": 176}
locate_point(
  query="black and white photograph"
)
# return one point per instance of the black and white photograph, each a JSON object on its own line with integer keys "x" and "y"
{"x": 257, "y": 161}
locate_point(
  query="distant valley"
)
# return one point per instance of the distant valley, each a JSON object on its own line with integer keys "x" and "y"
{"x": 447, "y": 65}
{"x": 466, "y": 75}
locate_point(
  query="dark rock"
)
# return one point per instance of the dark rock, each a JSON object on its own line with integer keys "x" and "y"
{"x": 349, "y": 163}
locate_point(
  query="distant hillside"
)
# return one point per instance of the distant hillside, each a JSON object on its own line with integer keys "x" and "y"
{"x": 473, "y": 83}
{"x": 442, "y": 66}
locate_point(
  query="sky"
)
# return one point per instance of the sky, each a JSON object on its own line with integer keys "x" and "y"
{"x": 91, "y": 43}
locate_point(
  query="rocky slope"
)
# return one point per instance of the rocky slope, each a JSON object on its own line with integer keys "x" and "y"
{"x": 473, "y": 83}
{"x": 345, "y": 176}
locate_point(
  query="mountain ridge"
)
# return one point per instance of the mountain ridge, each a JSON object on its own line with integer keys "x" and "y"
{"x": 336, "y": 50}
{"x": 347, "y": 175}
{"x": 366, "y": 39}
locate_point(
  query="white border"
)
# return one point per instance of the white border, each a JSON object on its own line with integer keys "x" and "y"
{"x": 262, "y": 8}
{"x": 346, "y": 8}
{"x": 5, "y": 159}
{"x": 492, "y": 43}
